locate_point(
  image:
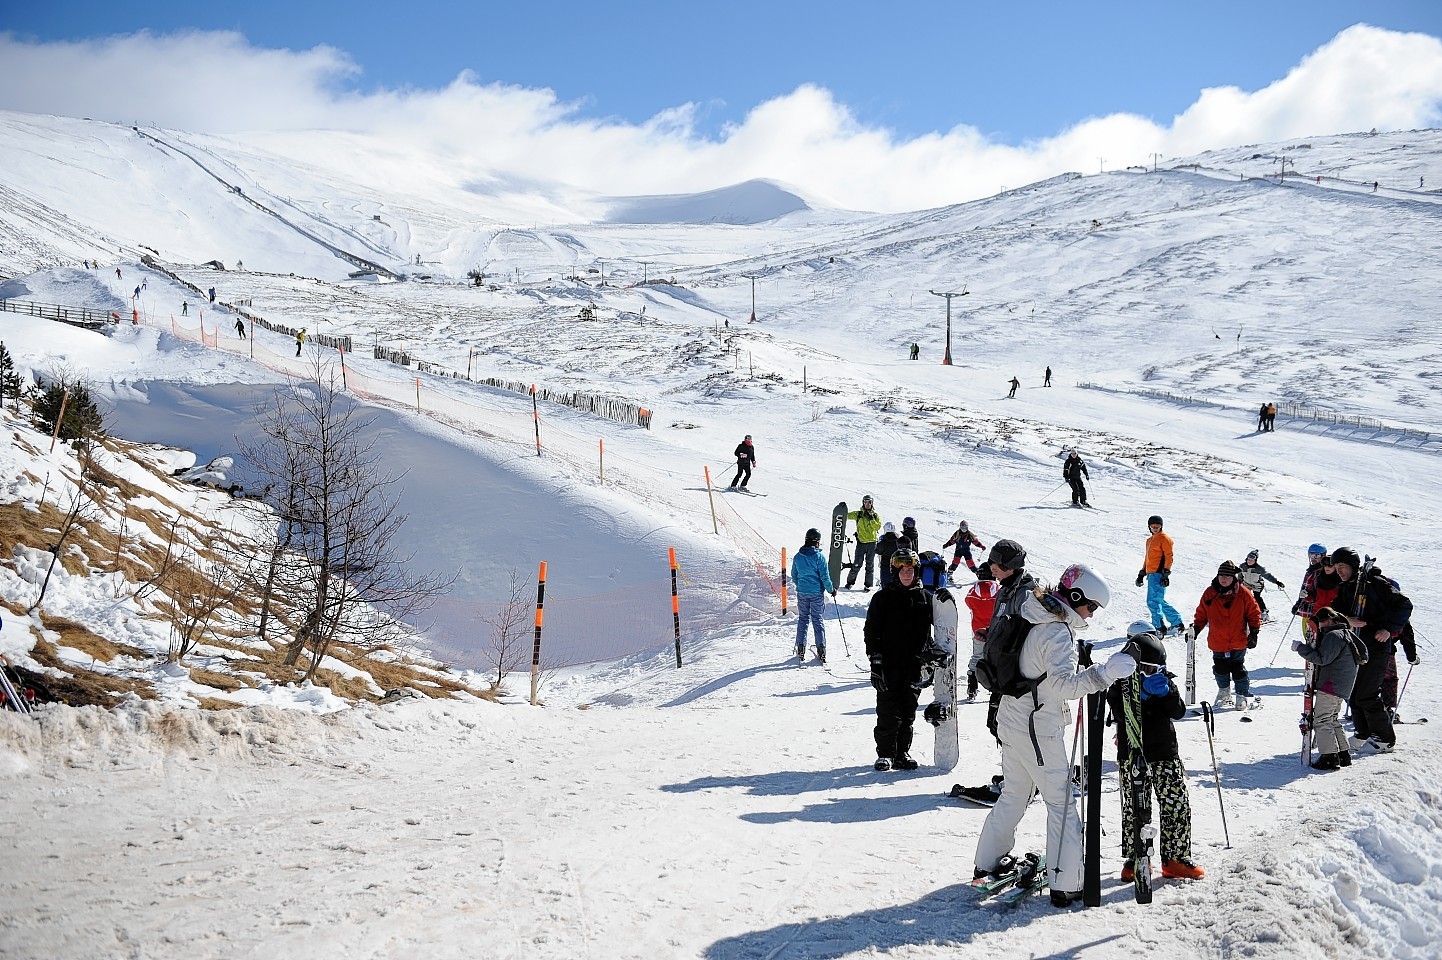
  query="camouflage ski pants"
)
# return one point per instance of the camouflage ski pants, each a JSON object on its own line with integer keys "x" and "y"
{"x": 1169, "y": 783}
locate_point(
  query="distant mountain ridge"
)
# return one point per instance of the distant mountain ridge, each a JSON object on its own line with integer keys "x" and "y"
{"x": 751, "y": 202}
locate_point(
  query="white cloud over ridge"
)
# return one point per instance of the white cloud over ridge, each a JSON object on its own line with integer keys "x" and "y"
{"x": 216, "y": 82}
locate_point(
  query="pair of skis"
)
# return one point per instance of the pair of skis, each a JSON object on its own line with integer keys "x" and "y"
{"x": 11, "y": 696}
{"x": 1141, "y": 791}
{"x": 1013, "y": 880}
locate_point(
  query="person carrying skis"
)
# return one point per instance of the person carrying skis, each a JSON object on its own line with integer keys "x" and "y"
{"x": 1306, "y": 603}
{"x": 885, "y": 547}
{"x": 868, "y": 525}
{"x": 1229, "y": 609}
{"x": 1157, "y": 572}
{"x": 981, "y": 601}
{"x": 1252, "y": 575}
{"x": 812, "y": 577}
{"x": 1073, "y": 469}
{"x": 745, "y": 454}
{"x": 1334, "y": 655}
{"x": 1161, "y": 705}
{"x": 1378, "y": 611}
{"x": 898, "y": 630}
{"x": 962, "y": 539}
{"x": 1033, "y": 728}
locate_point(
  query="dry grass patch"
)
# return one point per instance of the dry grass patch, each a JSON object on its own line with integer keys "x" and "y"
{"x": 80, "y": 637}
{"x": 220, "y": 681}
{"x": 86, "y": 687}
{"x": 392, "y": 674}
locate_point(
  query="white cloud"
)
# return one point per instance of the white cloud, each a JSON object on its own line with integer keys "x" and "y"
{"x": 217, "y": 82}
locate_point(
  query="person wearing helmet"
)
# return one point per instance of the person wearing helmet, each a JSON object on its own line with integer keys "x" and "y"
{"x": 1157, "y": 572}
{"x": 1229, "y": 610}
{"x": 1379, "y": 612}
{"x": 1033, "y": 728}
{"x": 745, "y": 454}
{"x": 889, "y": 543}
{"x": 1253, "y": 575}
{"x": 962, "y": 539}
{"x": 1161, "y": 704}
{"x": 1307, "y": 596}
{"x": 1073, "y": 470}
{"x": 868, "y": 525}
{"x": 812, "y": 577}
{"x": 898, "y": 630}
{"x": 909, "y": 535}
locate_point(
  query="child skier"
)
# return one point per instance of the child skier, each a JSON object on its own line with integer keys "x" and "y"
{"x": 981, "y": 601}
{"x": 1253, "y": 574}
{"x": 962, "y": 539}
{"x": 1335, "y": 654}
{"x": 1161, "y": 704}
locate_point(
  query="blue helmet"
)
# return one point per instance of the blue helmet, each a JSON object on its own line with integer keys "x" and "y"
{"x": 1317, "y": 548}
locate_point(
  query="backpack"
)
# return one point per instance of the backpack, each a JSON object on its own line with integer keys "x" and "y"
{"x": 999, "y": 669}
{"x": 932, "y": 568}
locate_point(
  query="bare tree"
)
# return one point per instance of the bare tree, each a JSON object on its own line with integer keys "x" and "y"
{"x": 197, "y": 595}
{"x": 79, "y": 511}
{"x": 508, "y": 648}
{"x": 318, "y": 461}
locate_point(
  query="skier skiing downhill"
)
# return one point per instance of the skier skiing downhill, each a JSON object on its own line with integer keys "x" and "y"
{"x": 898, "y": 629}
{"x": 745, "y": 454}
{"x": 812, "y": 577}
{"x": 1227, "y": 607}
{"x": 962, "y": 539}
{"x": 1073, "y": 469}
{"x": 1033, "y": 728}
{"x": 1161, "y": 704}
{"x": 1157, "y": 572}
{"x": 1253, "y": 575}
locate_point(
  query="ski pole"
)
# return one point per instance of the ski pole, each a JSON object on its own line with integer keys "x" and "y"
{"x": 1282, "y": 641}
{"x": 837, "y": 604}
{"x": 1216, "y": 773}
{"x": 1051, "y": 491}
{"x": 1402, "y": 693}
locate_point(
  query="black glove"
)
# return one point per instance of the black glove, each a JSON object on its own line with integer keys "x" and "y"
{"x": 1415, "y": 659}
{"x": 936, "y": 714}
{"x": 833, "y": 594}
{"x": 1297, "y": 608}
{"x": 1141, "y": 575}
{"x": 1281, "y": 585}
{"x": 1252, "y": 634}
{"x": 878, "y": 679}
{"x": 1166, "y": 577}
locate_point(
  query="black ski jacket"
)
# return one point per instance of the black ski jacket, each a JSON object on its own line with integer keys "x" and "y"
{"x": 1159, "y": 737}
{"x": 898, "y": 626}
{"x": 1073, "y": 469}
{"x": 1385, "y": 608}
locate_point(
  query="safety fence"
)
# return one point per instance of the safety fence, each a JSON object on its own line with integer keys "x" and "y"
{"x": 75, "y": 316}
{"x": 1295, "y": 411}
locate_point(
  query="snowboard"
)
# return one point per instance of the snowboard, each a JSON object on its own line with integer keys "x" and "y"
{"x": 838, "y": 541}
{"x": 944, "y": 618}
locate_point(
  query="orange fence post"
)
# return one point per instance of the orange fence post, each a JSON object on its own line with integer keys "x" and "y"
{"x": 675, "y": 607}
{"x": 536, "y": 650}
{"x": 711, "y": 497}
{"x": 783, "y": 581}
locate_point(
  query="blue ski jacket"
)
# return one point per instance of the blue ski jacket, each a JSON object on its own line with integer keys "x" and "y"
{"x": 810, "y": 573}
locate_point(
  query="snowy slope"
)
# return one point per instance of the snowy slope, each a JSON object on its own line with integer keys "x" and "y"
{"x": 727, "y": 809}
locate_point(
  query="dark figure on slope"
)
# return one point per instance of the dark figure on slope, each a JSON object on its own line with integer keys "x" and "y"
{"x": 1014, "y": 384}
{"x": 1073, "y": 470}
{"x": 1378, "y": 611}
{"x": 745, "y": 454}
{"x": 898, "y": 629}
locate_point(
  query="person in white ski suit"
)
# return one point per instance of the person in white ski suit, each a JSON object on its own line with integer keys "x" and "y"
{"x": 1034, "y": 729}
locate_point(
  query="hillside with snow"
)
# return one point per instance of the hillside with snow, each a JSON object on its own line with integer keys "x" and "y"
{"x": 728, "y": 808}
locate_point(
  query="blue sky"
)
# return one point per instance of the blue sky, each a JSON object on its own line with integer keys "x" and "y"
{"x": 1013, "y": 71}
{"x": 918, "y": 105}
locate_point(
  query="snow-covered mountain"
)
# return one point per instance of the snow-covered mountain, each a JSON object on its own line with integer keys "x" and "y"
{"x": 727, "y": 809}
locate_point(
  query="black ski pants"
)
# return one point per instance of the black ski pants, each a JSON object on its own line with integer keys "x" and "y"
{"x": 1369, "y": 715}
{"x": 743, "y": 473}
{"x": 1078, "y": 491}
{"x": 895, "y": 713}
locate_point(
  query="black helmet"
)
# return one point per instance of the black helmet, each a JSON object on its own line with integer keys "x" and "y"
{"x": 1147, "y": 649}
{"x": 813, "y": 537}
{"x": 1008, "y": 553}
{"x": 905, "y": 557}
{"x": 1154, "y": 518}
{"x": 1348, "y": 556}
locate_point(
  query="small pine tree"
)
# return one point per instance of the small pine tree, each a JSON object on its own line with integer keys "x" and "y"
{"x": 9, "y": 379}
{"x": 83, "y": 419}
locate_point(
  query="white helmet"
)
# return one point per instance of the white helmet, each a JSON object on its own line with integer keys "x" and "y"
{"x": 1139, "y": 627}
{"x": 888, "y": 527}
{"x": 1080, "y": 584}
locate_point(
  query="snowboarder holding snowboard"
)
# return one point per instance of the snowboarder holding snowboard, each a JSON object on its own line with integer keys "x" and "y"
{"x": 745, "y": 454}
{"x": 1253, "y": 575}
{"x": 1073, "y": 469}
{"x": 1033, "y": 729}
{"x": 1161, "y": 704}
{"x": 812, "y": 578}
{"x": 1157, "y": 572}
{"x": 898, "y": 630}
{"x": 1228, "y": 608}
{"x": 868, "y": 525}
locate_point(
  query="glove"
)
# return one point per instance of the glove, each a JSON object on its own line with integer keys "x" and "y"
{"x": 1281, "y": 585}
{"x": 936, "y": 714}
{"x": 1415, "y": 659}
{"x": 1296, "y": 646}
{"x": 1155, "y": 685}
{"x": 1166, "y": 577}
{"x": 1297, "y": 609}
{"x": 1252, "y": 634}
{"x": 878, "y": 679}
{"x": 944, "y": 595}
{"x": 1118, "y": 667}
{"x": 833, "y": 594}
{"x": 1141, "y": 575}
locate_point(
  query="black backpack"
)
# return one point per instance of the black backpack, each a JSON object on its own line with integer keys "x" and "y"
{"x": 999, "y": 669}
